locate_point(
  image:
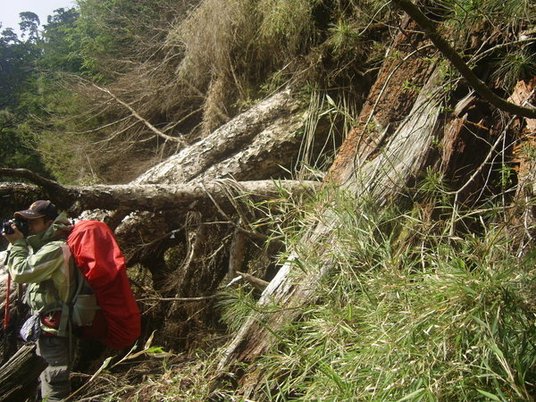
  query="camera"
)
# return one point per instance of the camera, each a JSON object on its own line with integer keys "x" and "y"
{"x": 22, "y": 225}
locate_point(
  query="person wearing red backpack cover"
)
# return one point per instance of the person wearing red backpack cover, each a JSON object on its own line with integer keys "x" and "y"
{"x": 43, "y": 261}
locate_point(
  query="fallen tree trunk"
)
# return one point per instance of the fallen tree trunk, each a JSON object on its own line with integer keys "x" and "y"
{"x": 382, "y": 177}
{"x": 255, "y": 145}
{"x": 378, "y": 163}
{"x": 261, "y": 143}
{"x": 151, "y": 197}
{"x": 18, "y": 376}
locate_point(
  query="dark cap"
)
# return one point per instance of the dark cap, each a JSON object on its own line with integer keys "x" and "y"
{"x": 39, "y": 209}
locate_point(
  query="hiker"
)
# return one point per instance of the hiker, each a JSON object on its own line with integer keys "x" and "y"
{"x": 43, "y": 261}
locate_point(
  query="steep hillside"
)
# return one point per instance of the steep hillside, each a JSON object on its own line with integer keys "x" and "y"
{"x": 406, "y": 274}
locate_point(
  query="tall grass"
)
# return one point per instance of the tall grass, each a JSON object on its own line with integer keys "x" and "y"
{"x": 411, "y": 313}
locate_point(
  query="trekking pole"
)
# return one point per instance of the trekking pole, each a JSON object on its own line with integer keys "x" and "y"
{"x": 7, "y": 306}
{"x": 8, "y": 294}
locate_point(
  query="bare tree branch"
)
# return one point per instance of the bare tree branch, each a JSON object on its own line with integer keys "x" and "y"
{"x": 137, "y": 116}
{"x": 450, "y": 53}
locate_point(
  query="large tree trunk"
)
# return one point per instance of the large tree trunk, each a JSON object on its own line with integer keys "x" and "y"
{"x": 377, "y": 160}
{"x": 155, "y": 197}
{"x": 182, "y": 207}
{"x": 256, "y": 144}
{"x": 383, "y": 177}
{"x": 378, "y": 164}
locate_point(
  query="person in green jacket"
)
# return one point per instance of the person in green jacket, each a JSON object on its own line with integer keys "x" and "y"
{"x": 42, "y": 260}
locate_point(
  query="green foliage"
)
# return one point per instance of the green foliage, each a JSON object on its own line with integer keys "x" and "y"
{"x": 286, "y": 25}
{"x": 410, "y": 312}
{"x": 518, "y": 64}
{"x": 17, "y": 80}
{"x": 344, "y": 36}
{"x": 70, "y": 152}
{"x": 113, "y": 31}
{"x": 236, "y": 305}
{"x": 29, "y": 24}
{"x": 18, "y": 145}
{"x": 17, "y": 60}
{"x": 27, "y": 86}
{"x": 350, "y": 25}
{"x": 491, "y": 30}
{"x": 507, "y": 12}
{"x": 62, "y": 43}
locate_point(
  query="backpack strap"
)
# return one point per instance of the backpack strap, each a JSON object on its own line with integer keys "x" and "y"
{"x": 67, "y": 307}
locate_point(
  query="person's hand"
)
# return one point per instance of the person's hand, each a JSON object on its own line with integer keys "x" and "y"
{"x": 16, "y": 235}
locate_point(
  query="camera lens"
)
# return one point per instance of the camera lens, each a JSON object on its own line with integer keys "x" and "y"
{"x": 6, "y": 228}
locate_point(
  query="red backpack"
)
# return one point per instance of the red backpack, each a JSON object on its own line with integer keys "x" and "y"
{"x": 100, "y": 260}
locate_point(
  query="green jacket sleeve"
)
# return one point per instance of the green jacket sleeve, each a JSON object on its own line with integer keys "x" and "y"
{"x": 25, "y": 267}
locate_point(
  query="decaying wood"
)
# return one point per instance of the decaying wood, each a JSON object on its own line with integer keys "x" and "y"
{"x": 388, "y": 103}
{"x": 261, "y": 143}
{"x": 252, "y": 146}
{"x": 257, "y": 283}
{"x": 237, "y": 253}
{"x": 382, "y": 174}
{"x": 526, "y": 167}
{"x": 376, "y": 160}
{"x": 18, "y": 376}
{"x": 257, "y": 144}
{"x": 450, "y": 53}
{"x": 149, "y": 197}
{"x": 525, "y": 92}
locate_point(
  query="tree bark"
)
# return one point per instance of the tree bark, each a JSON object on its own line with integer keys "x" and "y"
{"x": 377, "y": 164}
{"x": 252, "y": 146}
{"x": 149, "y": 197}
{"x": 525, "y": 214}
{"x": 18, "y": 376}
{"x": 383, "y": 177}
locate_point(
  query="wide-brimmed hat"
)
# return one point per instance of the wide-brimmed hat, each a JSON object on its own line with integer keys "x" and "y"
{"x": 39, "y": 209}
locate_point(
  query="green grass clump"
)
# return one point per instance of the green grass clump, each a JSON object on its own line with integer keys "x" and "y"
{"x": 413, "y": 314}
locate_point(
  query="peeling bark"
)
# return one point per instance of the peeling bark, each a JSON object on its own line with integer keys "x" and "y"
{"x": 407, "y": 67}
{"x": 525, "y": 164}
{"x": 253, "y": 145}
{"x": 152, "y": 197}
{"x": 364, "y": 170}
{"x": 19, "y": 374}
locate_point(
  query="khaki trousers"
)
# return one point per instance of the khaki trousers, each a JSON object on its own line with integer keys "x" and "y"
{"x": 55, "y": 382}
